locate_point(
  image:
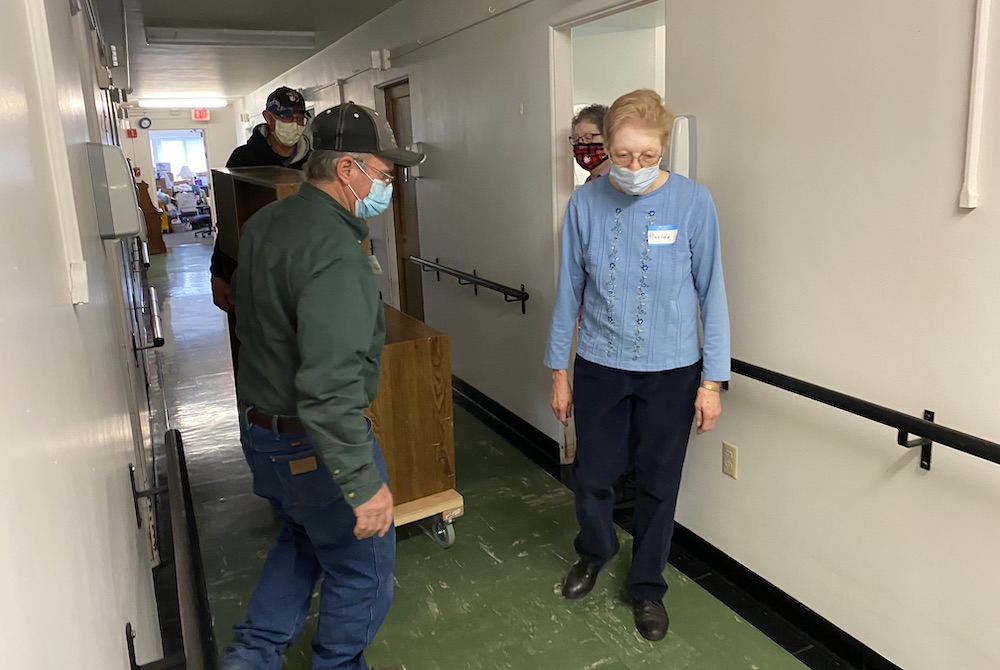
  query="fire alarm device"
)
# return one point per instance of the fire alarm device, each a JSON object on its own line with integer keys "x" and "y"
{"x": 131, "y": 133}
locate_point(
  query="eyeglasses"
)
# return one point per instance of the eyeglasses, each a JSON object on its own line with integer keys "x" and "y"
{"x": 625, "y": 159}
{"x": 586, "y": 138}
{"x": 300, "y": 119}
{"x": 383, "y": 176}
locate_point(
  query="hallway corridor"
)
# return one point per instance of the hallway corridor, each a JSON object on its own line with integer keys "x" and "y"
{"x": 490, "y": 601}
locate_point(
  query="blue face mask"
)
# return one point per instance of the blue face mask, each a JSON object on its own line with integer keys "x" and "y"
{"x": 377, "y": 200}
{"x": 635, "y": 182}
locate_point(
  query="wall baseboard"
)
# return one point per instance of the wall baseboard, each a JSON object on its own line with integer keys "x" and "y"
{"x": 799, "y": 630}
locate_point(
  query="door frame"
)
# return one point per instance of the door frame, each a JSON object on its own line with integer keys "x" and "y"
{"x": 561, "y": 107}
{"x": 389, "y": 217}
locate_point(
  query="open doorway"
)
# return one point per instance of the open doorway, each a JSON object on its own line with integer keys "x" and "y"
{"x": 182, "y": 179}
{"x": 616, "y": 54}
{"x": 596, "y": 59}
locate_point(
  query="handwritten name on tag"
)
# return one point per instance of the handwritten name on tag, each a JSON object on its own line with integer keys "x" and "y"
{"x": 661, "y": 235}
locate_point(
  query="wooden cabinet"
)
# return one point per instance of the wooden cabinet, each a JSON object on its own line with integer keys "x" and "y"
{"x": 240, "y": 192}
{"x": 153, "y": 218}
{"x": 412, "y": 414}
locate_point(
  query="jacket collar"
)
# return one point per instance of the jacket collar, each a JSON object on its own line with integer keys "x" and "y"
{"x": 358, "y": 227}
{"x": 302, "y": 148}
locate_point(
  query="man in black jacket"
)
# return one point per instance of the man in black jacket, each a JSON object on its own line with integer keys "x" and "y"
{"x": 279, "y": 141}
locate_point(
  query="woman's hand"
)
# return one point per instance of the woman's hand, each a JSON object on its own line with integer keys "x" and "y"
{"x": 707, "y": 408}
{"x": 562, "y": 396}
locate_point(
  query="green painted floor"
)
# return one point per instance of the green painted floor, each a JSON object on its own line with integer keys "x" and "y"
{"x": 490, "y": 601}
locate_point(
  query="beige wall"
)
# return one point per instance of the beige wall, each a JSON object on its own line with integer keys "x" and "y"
{"x": 832, "y": 137}
{"x": 74, "y": 568}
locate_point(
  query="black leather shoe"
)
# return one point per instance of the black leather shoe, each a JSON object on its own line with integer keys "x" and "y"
{"x": 580, "y": 580}
{"x": 651, "y": 619}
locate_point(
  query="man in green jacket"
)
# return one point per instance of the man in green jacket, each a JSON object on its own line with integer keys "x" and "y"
{"x": 311, "y": 326}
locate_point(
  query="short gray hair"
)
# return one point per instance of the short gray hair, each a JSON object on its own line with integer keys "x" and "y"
{"x": 322, "y": 164}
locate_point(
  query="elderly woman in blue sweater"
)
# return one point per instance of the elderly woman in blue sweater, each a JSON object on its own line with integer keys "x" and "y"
{"x": 641, "y": 257}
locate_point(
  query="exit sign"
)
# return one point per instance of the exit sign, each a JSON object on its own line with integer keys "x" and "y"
{"x": 200, "y": 114}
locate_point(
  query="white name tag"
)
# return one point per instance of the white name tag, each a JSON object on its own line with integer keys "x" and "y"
{"x": 661, "y": 235}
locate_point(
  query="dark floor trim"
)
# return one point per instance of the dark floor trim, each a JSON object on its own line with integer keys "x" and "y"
{"x": 808, "y": 622}
{"x": 816, "y": 642}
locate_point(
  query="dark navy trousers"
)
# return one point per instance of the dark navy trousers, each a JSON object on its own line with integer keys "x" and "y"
{"x": 654, "y": 412}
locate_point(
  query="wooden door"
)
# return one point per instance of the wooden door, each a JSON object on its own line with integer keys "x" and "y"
{"x": 404, "y": 203}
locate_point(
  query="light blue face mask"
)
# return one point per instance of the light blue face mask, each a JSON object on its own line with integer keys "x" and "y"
{"x": 635, "y": 182}
{"x": 377, "y": 200}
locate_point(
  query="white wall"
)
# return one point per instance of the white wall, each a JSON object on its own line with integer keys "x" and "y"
{"x": 74, "y": 567}
{"x": 833, "y": 140}
{"x": 605, "y": 64}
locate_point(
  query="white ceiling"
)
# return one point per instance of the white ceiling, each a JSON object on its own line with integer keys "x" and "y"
{"x": 232, "y": 72}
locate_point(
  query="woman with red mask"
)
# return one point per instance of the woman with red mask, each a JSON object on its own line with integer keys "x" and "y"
{"x": 588, "y": 141}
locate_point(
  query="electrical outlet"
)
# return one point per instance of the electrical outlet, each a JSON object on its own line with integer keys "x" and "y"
{"x": 730, "y": 460}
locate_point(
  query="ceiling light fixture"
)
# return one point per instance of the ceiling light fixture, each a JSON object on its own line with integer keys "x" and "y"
{"x": 182, "y": 103}
{"x": 227, "y": 37}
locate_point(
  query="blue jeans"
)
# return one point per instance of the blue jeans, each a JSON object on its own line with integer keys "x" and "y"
{"x": 317, "y": 539}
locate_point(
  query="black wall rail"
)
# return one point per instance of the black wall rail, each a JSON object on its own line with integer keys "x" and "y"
{"x": 200, "y": 652}
{"x": 510, "y": 294}
{"x": 924, "y": 429}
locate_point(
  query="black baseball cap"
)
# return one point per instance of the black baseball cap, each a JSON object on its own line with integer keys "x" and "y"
{"x": 285, "y": 101}
{"x": 354, "y": 128}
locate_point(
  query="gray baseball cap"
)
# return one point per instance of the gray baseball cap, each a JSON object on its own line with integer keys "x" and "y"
{"x": 354, "y": 128}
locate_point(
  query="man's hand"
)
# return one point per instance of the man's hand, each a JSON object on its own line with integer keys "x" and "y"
{"x": 562, "y": 397}
{"x": 222, "y": 295}
{"x": 375, "y": 515}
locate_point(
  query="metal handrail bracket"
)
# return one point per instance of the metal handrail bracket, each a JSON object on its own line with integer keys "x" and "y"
{"x": 137, "y": 495}
{"x": 156, "y": 324}
{"x": 176, "y": 662}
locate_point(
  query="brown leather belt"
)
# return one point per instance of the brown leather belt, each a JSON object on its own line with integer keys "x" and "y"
{"x": 285, "y": 424}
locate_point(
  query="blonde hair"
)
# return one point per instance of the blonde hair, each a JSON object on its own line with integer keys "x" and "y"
{"x": 643, "y": 108}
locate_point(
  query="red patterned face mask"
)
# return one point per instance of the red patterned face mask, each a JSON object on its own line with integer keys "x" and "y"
{"x": 589, "y": 156}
